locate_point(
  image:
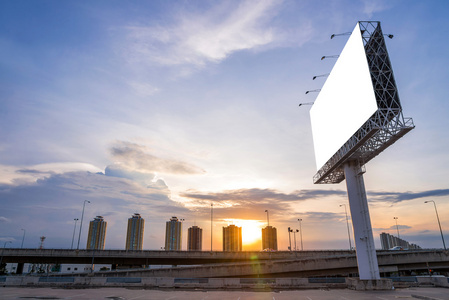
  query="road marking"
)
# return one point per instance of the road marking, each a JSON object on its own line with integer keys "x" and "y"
{"x": 382, "y": 298}
{"x": 137, "y": 297}
{"x": 308, "y": 298}
{"x": 71, "y": 297}
{"x": 344, "y": 298}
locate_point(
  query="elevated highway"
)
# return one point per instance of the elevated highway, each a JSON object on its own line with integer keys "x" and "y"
{"x": 150, "y": 257}
{"x": 344, "y": 265}
{"x": 236, "y": 264}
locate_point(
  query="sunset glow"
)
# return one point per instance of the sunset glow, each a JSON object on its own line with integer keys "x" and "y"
{"x": 251, "y": 230}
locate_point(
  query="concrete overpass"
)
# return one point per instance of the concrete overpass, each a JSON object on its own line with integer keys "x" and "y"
{"x": 343, "y": 265}
{"x": 150, "y": 257}
{"x": 236, "y": 264}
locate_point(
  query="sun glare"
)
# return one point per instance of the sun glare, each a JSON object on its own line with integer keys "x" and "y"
{"x": 251, "y": 230}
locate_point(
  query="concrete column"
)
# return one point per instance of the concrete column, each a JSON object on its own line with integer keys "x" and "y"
{"x": 363, "y": 233}
{"x": 19, "y": 268}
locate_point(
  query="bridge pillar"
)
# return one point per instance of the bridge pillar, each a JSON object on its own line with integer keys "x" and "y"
{"x": 19, "y": 269}
{"x": 363, "y": 233}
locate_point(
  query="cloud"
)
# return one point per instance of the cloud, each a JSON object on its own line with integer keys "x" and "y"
{"x": 264, "y": 195}
{"x": 4, "y": 220}
{"x": 136, "y": 157}
{"x": 143, "y": 89}
{"x": 207, "y": 36}
{"x": 397, "y": 197}
{"x": 54, "y": 201}
{"x": 374, "y": 6}
{"x": 249, "y": 203}
{"x": 393, "y": 227}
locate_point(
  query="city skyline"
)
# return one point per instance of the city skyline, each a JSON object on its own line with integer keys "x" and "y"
{"x": 167, "y": 108}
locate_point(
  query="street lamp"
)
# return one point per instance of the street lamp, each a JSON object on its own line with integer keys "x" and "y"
{"x": 23, "y": 238}
{"x": 81, "y": 224}
{"x": 268, "y": 218}
{"x": 290, "y": 239}
{"x": 294, "y": 235}
{"x": 300, "y": 233}
{"x": 347, "y": 225}
{"x": 211, "y": 224}
{"x": 397, "y": 228}
{"x": 74, "y": 228}
{"x": 438, "y": 219}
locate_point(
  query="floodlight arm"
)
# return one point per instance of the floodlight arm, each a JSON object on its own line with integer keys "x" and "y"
{"x": 307, "y": 103}
{"x": 322, "y": 75}
{"x": 329, "y": 56}
{"x": 313, "y": 91}
{"x": 339, "y": 34}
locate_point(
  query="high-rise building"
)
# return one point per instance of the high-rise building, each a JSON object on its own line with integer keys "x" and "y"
{"x": 195, "y": 239}
{"x": 232, "y": 238}
{"x": 269, "y": 238}
{"x": 134, "y": 236}
{"x": 389, "y": 241}
{"x": 173, "y": 234}
{"x": 97, "y": 233}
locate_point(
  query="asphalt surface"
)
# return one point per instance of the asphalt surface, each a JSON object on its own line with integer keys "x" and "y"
{"x": 141, "y": 294}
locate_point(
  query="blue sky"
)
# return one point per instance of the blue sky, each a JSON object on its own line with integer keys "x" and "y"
{"x": 164, "y": 107}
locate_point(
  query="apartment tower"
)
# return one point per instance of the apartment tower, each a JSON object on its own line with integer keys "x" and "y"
{"x": 269, "y": 238}
{"x": 173, "y": 234}
{"x": 195, "y": 239}
{"x": 232, "y": 238}
{"x": 97, "y": 233}
{"x": 134, "y": 236}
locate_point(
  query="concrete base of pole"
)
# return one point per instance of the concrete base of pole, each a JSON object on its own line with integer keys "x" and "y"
{"x": 369, "y": 285}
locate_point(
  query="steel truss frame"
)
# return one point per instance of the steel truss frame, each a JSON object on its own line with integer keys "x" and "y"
{"x": 385, "y": 126}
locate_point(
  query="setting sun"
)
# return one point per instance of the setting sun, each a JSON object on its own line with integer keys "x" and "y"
{"x": 251, "y": 231}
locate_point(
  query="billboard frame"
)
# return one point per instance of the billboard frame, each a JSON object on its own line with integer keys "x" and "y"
{"x": 385, "y": 126}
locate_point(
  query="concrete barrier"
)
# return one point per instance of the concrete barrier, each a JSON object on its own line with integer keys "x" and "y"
{"x": 222, "y": 283}
{"x": 369, "y": 285}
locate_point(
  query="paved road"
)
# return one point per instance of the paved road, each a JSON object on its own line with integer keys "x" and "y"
{"x": 138, "y": 294}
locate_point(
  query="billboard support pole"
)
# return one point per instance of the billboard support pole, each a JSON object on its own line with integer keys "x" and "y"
{"x": 363, "y": 233}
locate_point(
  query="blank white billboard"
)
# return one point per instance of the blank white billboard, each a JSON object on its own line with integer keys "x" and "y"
{"x": 345, "y": 102}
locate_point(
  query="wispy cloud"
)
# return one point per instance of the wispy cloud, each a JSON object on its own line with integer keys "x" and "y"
{"x": 396, "y": 197}
{"x": 206, "y": 36}
{"x": 371, "y": 7}
{"x": 138, "y": 158}
{"x": 4, "y": 220}
{"x": 143, "y": 89}
{"x": 393, "y": 227}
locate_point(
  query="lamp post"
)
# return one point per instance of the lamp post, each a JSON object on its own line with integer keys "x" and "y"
{"x": 294, "y": 234}
{"x": 268, "y": 218}
{"x": 397, "y": 228}
{"x": 290, "y": 239}
{"x": 23, "y": 238}
{"x": 74, "y": 229}
{"x": 81, "y": 224}
{"x": 438, "y": 219}
{"x": 347, "y": 225}
{"x": 211, "y": 224}
{"x": 300, "y": 233}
